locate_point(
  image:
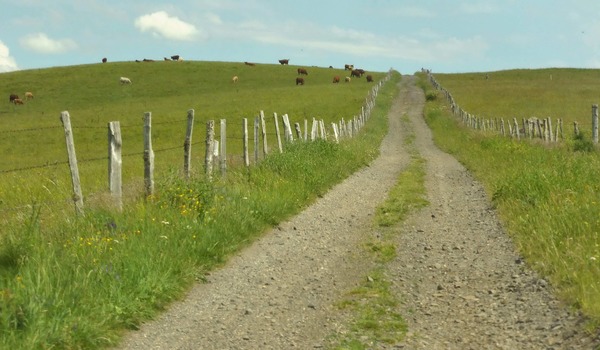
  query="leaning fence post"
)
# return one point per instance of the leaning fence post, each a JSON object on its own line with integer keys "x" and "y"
{"x": 264, "y": 134}
{"x": 77, "y": 194}
{"x": 187, "y": 144}
{"x": 148, "y": 155}
{"x": 115, "y": 163}
{"x": 278, "y": 132}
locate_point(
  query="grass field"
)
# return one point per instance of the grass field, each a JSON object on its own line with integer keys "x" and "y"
{"x": 77, "y": 282}
{"x": 32, "y": 138}
{"x": 547, "y": 195}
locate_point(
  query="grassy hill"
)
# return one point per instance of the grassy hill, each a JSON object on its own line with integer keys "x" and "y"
{"x": 31, "y": 135}
{"x": 77, "y": 282}
{"x": 523, "y": 93}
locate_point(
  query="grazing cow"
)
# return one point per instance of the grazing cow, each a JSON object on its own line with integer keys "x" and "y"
{"x": 13, "y": 97}
{"x": 175, "y": 57}
{"x": 28, "y": 95}
{"x": 147, "y": 60}
{"x": 347, "y": 79}
{"x": 336, "y": 79}
{"x": 249, "y": 63}
{"x": 284, "y": 61}
{"x": 348, "y": 67}
{"x": 369, "y": 78}
{"x": 361, "y": 71}
{"x": 355, "y": 73}
{"x": 299, "y": 81}
{"x": 125, "y": 80}
{"x": 234, "y": 79}
{"x": 104, "y": 60}
{"x": 18, "y": 101}
{"x": 302, "y": 71}
{"x": 166, "y": 59}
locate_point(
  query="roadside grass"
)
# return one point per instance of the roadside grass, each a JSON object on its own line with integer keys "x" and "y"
{"x": 81, "y": 282}
{"x": 546, "y": 196}
{"x": 373, "y": 306}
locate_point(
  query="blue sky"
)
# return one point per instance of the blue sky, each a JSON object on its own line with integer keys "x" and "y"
{"x": 443, "y": 35}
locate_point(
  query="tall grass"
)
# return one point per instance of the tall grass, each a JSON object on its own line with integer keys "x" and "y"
{"x": 80, "y": 282}
{"x": 547, "y": 197}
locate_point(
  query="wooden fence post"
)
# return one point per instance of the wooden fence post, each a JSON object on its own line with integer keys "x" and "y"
{"x": 148, "y": 155}
{"x": 278, "y": 132}
{"x": 77, "y": 194}
{"x": 335, "y": 132}
{"x": 245, "y": 133}
{"x": 576, "y": 128}
{"x": 305, "y": 129}
{"x": 595, "y": 123}
{"x": 223, "y": 155}
{"x": 289, "y": 137}
{"x": 298, "y": 131}
{"x": 115, "y": 163}
{"x": 187, "y": 144}
{"x": 264, "y": 134}
{"x": 210, "y": 144}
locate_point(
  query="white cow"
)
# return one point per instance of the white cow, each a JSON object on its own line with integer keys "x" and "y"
{"x": 125, "y": 80}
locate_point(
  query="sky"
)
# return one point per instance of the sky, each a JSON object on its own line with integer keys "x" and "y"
{"x": 446, "y": 36}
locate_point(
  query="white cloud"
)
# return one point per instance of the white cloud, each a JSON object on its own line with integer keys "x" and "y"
{"x": 7, "y": 63}
{"x": 40, "y": 42}
{"x": 162, "y": 25}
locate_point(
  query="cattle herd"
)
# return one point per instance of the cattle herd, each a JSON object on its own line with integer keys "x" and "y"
{"x": 16, "y": 100}
{"x": 300, "y": 80}
{"x": 301, "y": 72}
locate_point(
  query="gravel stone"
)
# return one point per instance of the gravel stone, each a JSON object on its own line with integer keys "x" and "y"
{"x": 461, "y": 283}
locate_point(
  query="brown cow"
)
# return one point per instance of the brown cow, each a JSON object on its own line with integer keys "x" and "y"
{"x": 18, "y": 101}
{"x": 336, "y": 79}
{"x": 299, "y": 81}
{"x": 355, "y": 73}
{"x": 249, "y": 63}
{"x": 284, "y": 61}
{"x": 13, "y": 97}
{"x": 302, "y": 71}
{"x": 369, "y": 78}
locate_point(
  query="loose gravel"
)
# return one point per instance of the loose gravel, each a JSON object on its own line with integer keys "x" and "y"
{"x": 460, "y": 283}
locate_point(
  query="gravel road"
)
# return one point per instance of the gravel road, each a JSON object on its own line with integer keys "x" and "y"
{"x": 460, "y": 282}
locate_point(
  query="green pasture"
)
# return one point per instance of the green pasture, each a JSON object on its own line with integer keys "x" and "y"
{"x": 79, "y": 282}
{"x": 557, "y": 93}
{"x": 33, "y": 167}
{"x": 547, "y": 195}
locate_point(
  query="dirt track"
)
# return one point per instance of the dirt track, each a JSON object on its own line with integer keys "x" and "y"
{"x": 461, "y": 284}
